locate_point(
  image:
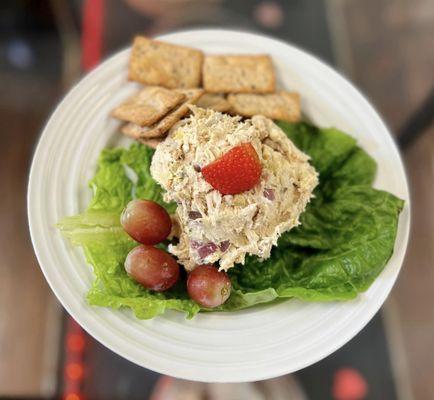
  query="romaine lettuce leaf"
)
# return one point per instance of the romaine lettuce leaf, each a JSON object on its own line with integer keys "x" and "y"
{"x": 345, "y": 239}
{"x": 337, "y": 253}
{"x": 347, "y": 232}
{"x": 122, "y": 174}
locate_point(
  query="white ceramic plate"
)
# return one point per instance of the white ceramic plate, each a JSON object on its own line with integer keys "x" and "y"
{"x": 254, "y": 344}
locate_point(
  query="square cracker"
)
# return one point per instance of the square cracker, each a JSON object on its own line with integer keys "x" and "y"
{"x": 282, "y": 105}
{"x": 239, "y": 74}
{"x": 152, "y": 143}
{"x": 216, "y": 102}
{"x": 163, "y": 64}
{"x": 160, "y": 128}
{"x": 148, "y": 106}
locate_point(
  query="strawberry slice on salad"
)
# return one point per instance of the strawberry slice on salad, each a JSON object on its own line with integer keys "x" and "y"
{"x": 236, "y": 171}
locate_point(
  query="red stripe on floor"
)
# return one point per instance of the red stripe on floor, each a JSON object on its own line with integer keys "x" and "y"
{"x": 92, "y": 33}
{"x": 75, "y": 338}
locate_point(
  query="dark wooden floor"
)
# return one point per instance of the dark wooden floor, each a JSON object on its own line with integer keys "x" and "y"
{"x": 389, "y": 52}
{"x": 30, "y": 315}
{"x": 26, "y": 304}
{"x": 385, "y": 46}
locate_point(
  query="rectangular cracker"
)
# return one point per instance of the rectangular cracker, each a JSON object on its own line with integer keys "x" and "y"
{"x": 133, "y": 131}
{"x": 216, "y": 102}
{"x": 239, "y": 74}
{"x": 148, "y": 106}
{"x": 160, "y": 128}
{"x": 152, "y": 143}
{"x": 282, "y": 105}
{"x": 163, "y": 64}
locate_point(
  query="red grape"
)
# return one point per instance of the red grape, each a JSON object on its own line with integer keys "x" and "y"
{"x": 151, "y": 267}
{"x": 208, "y": 286}
{"x": 146, "y": 221}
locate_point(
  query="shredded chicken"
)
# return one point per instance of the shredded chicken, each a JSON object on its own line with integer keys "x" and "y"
{"x": 223, "y": 229}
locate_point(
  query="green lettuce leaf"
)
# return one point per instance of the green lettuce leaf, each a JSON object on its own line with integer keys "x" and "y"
{"x": 346, "y": 236}
{"x": 337, "y": 253}
{"x": 347, "y": 232}
{"x": 122, "y": 174}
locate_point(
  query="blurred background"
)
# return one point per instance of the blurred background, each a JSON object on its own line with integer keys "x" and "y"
{"x": 385, "y": 46}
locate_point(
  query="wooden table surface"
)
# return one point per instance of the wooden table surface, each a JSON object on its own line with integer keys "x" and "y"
{"x": 385, "y": 46}
{"x": 29, "y": 311}
{"x": 388, "y": 51}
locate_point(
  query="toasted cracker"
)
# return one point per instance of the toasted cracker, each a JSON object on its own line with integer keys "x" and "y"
{"x": 216, "y": 102}
{"x": 152, "y": 143}
{"x": 158, "y": 63}
{"x": 282, "y": 105}
{"x": 148, "y": 106}
{"x": 160, "y": 128}
{"x": 239, "y": 74}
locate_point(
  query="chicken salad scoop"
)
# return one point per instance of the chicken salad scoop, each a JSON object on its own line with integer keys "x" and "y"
{"x": 202, "y": 163}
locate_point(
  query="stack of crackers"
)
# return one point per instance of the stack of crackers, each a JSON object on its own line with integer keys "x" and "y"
{"x": 177, "y": 76}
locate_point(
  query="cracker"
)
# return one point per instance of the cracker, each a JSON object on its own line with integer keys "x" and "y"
{"x": 148, "y": 106}
{"x": 160, "y": 128}
{"x": 282, "y": 105}
{"x": 163, "y": 64}
{"x": 136, "y": 131}
{"x": 133, "y": 131}
{"x": 152, "y": 143}
{"x": 238, "y": 74}
{"x": 216, "y": 102}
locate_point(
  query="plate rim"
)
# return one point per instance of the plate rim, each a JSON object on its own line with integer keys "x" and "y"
{"x": 105, "y": 340}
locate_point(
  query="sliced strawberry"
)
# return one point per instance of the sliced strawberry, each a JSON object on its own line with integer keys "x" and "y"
{"x": 236, "y": 171}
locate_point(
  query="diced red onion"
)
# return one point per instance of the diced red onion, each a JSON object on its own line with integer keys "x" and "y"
{"x": 269, "y": 194}
{"x": 194, "y": 214}
{"x": 194, "y": 244}
{"x": 206, "y": 250}
{"x": 224, "y": 245}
